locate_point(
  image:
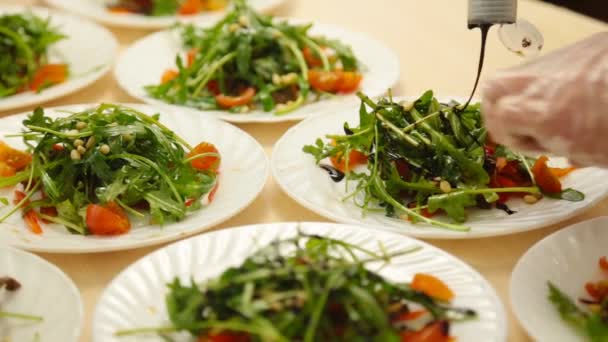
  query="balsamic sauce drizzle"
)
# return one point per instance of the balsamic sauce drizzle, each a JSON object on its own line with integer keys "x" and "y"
{"x": 335, "y": 174}
{"x": 484, "y": 28}
{"x": 505, "y": 208}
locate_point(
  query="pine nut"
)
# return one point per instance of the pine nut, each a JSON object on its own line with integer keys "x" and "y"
{"x": 74, "y": 155}
{"x": 90, "y": 142}
{"x": 78, "y": 142}
{"x": 81, "y": 150}
{"x": 530, "y": 199}
{"x": 104, "y": 149}
{"x": 81, "y": 125}
{"x": 445, "y": 186}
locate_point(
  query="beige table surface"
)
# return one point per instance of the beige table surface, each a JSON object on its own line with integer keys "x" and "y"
{"x": 436, "y": 52}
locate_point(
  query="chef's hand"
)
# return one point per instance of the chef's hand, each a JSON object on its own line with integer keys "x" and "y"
{"x": 557, "y": 103}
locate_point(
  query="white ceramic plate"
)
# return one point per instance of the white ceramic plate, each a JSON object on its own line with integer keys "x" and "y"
{"x": 147, "y": 59}
{"x": 96, "y": 9}
{"x": 135, "y": 298}
{"x": 309, "y": 185}
{"x": 244, "y": 171}
{"x": 89, "y": 50}
{"x": 567, "y": 258}
{"x": 45, "y": 292}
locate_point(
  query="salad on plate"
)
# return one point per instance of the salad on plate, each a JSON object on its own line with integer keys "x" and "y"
{"x": 252, "y": 61}
{"x": 25, "y": 39}
{"x": 417, "y": 159}
{"x": 311, "y": 288}
{"x": 592, "y": 321}
{"x": 93, "y": 171}
{"x": 158, "y": 8}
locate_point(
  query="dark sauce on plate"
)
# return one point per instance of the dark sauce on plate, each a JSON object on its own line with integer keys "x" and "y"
{"x": 505, "y": 208}
{"x": 335, "y": 174}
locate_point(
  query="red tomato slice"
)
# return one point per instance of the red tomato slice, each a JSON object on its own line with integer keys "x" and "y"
{"x": 49, "y": 211}
{"x": 226, "y": 101}
{"x": 434, "y": 332}
{"x": 31, "y": 219}
{"x": 211, "y": 163}
{"x": 119, "y": 10}
{"x": 13, "y": 157}
{"x": 311, "y": 58}
{"x": 168, "y": 76}
{"x": 58, "y": 147}
{"x": 561, "y": 172}
{"x": 432, "y": 287}
{"x": 107, "y": 220}
{"x": 6, "y": 170}
{"x": 354, "y": 158}
{"x": 225, "y": 336}
{"x": 30, "y": 216}
{"x": 326, "y": 81}
{"x": 190, "y": 7}
{"x": 349, "y": 81}
{"x": 604, "y": 263}
{"x": 49, "y": 74}
{"x": 545, "y": 179}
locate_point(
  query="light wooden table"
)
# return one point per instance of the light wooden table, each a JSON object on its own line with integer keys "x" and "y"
{"x": 436, "y": 52}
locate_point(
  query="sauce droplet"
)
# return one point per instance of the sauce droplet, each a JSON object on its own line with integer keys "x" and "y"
{"x": 522, "y": 38}
{"x": 335, "y": 174}
{"x": 505, "y": 208}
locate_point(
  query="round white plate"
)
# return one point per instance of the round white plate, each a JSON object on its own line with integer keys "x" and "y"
{"x": 45, "y": 291}
{"x": 96, "y": 9}
{"x": 299, "y": 176}
{"x": 89, "y": 50}
{"x": 135, "y": 298}
{"x": 244, "y": 172}
{"x": 147, "y": 59}
{"x": 567, "y": 258}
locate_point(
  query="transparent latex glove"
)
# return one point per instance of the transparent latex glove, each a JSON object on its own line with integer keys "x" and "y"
{"x": 557, "y": 103}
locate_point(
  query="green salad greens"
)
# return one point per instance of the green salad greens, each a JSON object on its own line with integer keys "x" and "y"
{"x": 90, "y": 168}
{"x": 159, "y": 8}
{"x": 309, "y": 288}
{"x": 248, "y": 60}
{"x": 591, "y": 319}
{"x": 24, "y": 43}
{"x": 425, "y": 157}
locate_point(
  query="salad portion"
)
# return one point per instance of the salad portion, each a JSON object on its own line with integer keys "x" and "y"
{"x": 414, "y": 160}
{"x": 165, "y": 7}
{"x": 24, "y": 54}
{"x": 311, "y": 288}
{"x": 592, "y": 322}
{"x": 251, "y": 61}
{"x": 89, "y": 171}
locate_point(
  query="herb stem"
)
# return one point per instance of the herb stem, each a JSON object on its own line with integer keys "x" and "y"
{"x": 28, "y": 195}
{"x": 6, "y": 314}
{"x": 419, "y": 121}
{"x": 397, "y": 131}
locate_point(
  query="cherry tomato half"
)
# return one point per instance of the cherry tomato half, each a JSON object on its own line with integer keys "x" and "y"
{"x": 107, "y": 220}
{"x": 227, "y": 101}
{"x": 211, "y": 163}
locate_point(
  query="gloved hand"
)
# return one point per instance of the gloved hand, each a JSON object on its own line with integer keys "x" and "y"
{"x": 557, "y": 103}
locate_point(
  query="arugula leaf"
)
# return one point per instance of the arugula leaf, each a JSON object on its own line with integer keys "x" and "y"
{"x": 453, "y": 204}
{"x": 567, "y": 309}
{"x": 184, "y": 304}
{"x": 568, "y": 194}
